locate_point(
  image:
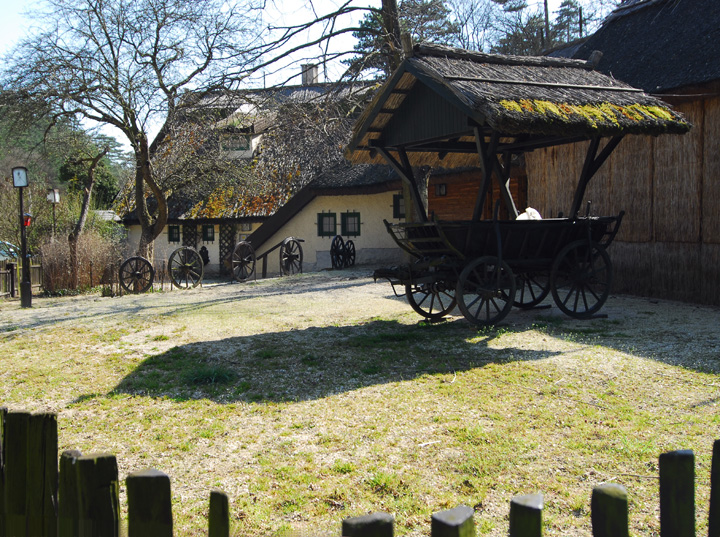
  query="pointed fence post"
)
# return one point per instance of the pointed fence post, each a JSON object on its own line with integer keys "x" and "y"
{"x": 677, "y": 494}
{"x": 526, "y": 516}
{"x": 3, "y": 413}
{"x": 219, "y": 517}
{"x": 372, "y": 525}
{"x": 16, "y": 450}
{"x": 609, "y": 509}
{"x": 457, "y": 522}
{"x": 42, "y": 475}
{"x": 98, "y": 495}
{"x": 68, "y": 508}
{"x": 714, "y": 517}
{"x": 149, "y": 504}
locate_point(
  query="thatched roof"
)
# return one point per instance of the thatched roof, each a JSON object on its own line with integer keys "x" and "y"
{"x": 430, "y": 105}
{"x": 658, "y": 45}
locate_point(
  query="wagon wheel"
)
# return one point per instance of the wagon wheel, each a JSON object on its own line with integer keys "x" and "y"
{"x": 243, "y": 261}
{"x": 532, "y": 289}
{"x": 349, "y": 258}
{"x": 431, "y": 300}
{"x": 291, "y": 257}
{"x": 485, "y": 290}
{"x": 186, "y": 267}
{"x": 136, "y": 275}
{"x": 580, "y": 278}
{"x": 337, "y": 252}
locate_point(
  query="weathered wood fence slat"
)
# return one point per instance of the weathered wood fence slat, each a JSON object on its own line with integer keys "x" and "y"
{"x": 79, "y": 496}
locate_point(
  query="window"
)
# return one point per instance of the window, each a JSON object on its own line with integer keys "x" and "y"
{"x": 326, "y": 224}
{"x": 350, "y": 224}
{"x": 441, "y": 189}
{"x": 398, "y": 206}
{"x": 173, "y": 233}
{"x": 208, "y": 233}
{"x": 236, "y": 142}
{"x": 245, "y": 226}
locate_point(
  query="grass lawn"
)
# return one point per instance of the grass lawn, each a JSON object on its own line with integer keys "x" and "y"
{"x": 319, "y": 397}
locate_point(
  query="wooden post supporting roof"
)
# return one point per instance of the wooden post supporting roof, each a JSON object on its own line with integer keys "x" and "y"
{"x": 404, "y": 170}
{"x": 484, "y": 150}
{"x": 593, "y": 161}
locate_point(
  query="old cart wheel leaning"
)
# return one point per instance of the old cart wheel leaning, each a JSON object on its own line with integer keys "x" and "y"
{"x": 349, "y": 258}
{"x": 136, "y": 275}
{"x": 580, "y": 278}
{"x": 291, "y": 257}
{"x": 532, "y": 288}
{"x": 186, "y": 268}
{"x": 337, "y": 252}
{"x": 431, "y": 300}
{"x": 485, "y": 291}
{"x": 243, "y": 261}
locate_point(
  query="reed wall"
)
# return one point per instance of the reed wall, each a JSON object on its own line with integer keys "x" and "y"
{"x": 668, "y": 186}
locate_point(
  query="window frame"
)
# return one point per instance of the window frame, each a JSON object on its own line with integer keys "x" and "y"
{"x": 174, "y": 233}
{"x": 344, "y": 217}
{"x": 321, "y": 224}
{"x": 208, "y": 233}
{"x": 397, "y": 205}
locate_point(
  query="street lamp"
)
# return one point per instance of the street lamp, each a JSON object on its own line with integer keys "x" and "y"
{"x": 20, "y": 181}
{"x": 54, "y": 198}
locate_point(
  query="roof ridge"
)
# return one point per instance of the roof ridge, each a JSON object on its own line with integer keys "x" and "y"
{"x": 431, "y": 49}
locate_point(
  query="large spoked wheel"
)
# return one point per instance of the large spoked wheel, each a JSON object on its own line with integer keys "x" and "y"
{"x": 431, "y": 300}
{"x": 349, "y": 260}
{"x": 337, "y": 252}
{"x": 136, "y": 275}
{"x": 243, "y": 261}
{"x": 186, "y": 268}
{"x": 532, "y": 288}
{"x": 485, "y": 291}
{"x": 291, "y": 257}
{"x": 580, "y": 279}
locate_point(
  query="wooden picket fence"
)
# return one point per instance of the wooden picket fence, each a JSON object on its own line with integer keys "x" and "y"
{"x": 78, "y": 496}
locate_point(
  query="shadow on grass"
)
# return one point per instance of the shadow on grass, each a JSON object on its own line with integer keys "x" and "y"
{"x": 316, "y": 362}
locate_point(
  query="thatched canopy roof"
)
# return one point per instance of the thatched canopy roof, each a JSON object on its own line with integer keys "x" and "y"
{"x": 431, "y": 104}
{"x": 658, "y": 45}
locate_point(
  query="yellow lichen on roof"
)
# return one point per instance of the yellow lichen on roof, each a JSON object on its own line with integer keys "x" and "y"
{"x": 593, "y": 114}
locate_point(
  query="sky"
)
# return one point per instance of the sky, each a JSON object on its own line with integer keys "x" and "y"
{"x": 13, "y": 23}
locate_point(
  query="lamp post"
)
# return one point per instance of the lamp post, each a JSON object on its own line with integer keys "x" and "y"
{"x": 54, "y": 198}
{"x": 20, "y": 181}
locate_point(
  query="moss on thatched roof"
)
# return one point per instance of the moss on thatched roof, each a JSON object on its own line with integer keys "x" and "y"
{"x": 524, "y": 98}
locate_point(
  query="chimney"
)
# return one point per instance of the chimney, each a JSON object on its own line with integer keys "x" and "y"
{"x": 309, "y": 74}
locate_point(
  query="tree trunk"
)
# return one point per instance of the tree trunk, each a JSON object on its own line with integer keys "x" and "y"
{"x": 391, "y": 23}
{"x": 74, "y": 236}
{"x": 150, "y": 229}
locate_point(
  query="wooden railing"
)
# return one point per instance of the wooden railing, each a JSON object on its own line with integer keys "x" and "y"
{"x": 11, "y": 275}
{"x": 80, "y": 496}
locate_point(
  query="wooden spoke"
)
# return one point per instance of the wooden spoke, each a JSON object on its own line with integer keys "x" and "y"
{"x": 485, "y": 291}
{"x": 431, "y": 300}
{"x": 349, "y": 259}
{"x": 185, "y": 267}
{"x": 136, "y": 275}
{"x": 243, "y": 261}
{"x": 291, "y": 257}
{"x": 337, "y": 252}
{"x": 580, "y": 279}
{"x": 533, "y": 287}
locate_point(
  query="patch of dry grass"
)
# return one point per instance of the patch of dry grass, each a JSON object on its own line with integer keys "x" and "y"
{"x": 315, "y": 398}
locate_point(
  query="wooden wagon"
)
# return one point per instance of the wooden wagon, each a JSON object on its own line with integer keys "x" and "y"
{"x": 454, "y": 108}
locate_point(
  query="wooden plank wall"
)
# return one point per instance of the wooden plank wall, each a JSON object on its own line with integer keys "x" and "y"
{"x": 669, "y": 186}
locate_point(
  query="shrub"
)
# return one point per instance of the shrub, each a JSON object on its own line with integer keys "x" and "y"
{"x": 98, "y": 259}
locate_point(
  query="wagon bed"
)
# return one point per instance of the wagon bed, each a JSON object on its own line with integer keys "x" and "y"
{"x": 486, "y": 267}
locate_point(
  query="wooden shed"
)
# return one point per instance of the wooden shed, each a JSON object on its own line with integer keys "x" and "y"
{"x": 453, "y": 108}
{"x": 669, "y": 246}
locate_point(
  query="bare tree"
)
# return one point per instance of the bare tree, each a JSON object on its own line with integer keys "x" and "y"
{"x": 127, "y": 64}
